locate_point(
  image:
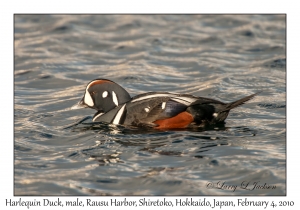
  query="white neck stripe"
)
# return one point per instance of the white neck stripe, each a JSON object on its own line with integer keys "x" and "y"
{"x": 119, "y": 115}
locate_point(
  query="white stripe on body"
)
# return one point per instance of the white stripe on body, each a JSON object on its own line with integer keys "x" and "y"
{"x": 181, "y": 99}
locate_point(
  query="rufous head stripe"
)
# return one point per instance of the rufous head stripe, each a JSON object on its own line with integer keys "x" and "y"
{"x": 96, "y": 82}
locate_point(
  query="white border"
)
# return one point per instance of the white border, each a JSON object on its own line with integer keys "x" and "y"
{"x": 8, "y": 9}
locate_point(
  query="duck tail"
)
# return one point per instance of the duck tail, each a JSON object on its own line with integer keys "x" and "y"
{"x": 239, "y": 102}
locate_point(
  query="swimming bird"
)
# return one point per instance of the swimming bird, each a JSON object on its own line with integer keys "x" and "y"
{"x": 159, "y": 110}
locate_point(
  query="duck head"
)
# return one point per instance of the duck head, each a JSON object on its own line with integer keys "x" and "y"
{"x": 103, "y": 95}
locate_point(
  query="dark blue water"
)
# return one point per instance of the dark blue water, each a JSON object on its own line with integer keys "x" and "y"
{"x": 225, "y": 57}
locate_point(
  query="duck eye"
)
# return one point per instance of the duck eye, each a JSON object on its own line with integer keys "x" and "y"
{"x": 93, "y": 93}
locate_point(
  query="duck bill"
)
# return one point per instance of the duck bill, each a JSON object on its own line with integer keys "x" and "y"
{"x": 79, "y": 105}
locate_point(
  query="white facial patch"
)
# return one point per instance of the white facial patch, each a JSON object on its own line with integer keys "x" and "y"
{"x": 163, "y": 105}
{"x": 215, "y": 114}
{"x": 115, "y": 99}
{"x": 147, "y": 109}
{"x": 104, "y": 94}
{"x": 88, "y": 99}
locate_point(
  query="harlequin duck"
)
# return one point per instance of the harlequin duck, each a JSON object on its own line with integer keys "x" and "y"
{"x": 160, "y": 110}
